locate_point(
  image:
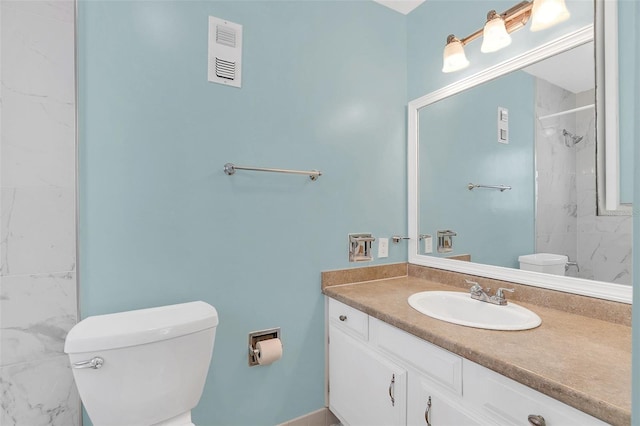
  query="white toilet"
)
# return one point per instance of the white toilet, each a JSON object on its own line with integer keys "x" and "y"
{"x": 548, "y": 263}
{"x": 144, "y": 367}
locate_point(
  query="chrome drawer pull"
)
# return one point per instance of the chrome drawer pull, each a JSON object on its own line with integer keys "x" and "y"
{"x": 95, "y": 363}
{"x": 392, "y": 390}
{"x": 536, "y": 420}
{"x": 427, "y": 412}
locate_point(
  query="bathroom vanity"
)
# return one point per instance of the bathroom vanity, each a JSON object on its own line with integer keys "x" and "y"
{"x": 391, "y": 365}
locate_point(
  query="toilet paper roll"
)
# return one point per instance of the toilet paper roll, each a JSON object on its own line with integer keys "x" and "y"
{"x": 270, "y": 350}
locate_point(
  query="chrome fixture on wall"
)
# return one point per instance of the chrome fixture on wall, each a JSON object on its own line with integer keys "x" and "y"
{"x": 570, "y": 140}
{"x": 495, "y": 33}
{"x": 501, "y": 188}
{"x": 231, "y": 168}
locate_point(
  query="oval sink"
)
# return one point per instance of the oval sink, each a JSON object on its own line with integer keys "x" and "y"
{"x": 459, "y": 308}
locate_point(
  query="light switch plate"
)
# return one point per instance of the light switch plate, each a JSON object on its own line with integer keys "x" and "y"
{"x": 503, "y": 125}
{"x": 383, "y": 247}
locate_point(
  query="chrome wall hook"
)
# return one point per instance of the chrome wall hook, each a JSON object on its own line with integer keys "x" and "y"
{"x": 396, "y": 238}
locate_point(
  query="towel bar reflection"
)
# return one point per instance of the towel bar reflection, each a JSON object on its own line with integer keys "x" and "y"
{"x": 502, "y": 188}
{"x": 231, "y": 168}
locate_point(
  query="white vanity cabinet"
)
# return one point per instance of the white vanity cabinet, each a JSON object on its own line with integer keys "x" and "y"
{"x": 507, "y": 402}
{"x": 434, "y": 391}
{"x": 381, "y": 375}
{"x": 426, "y": 405}
{"x": 365, "y": 388}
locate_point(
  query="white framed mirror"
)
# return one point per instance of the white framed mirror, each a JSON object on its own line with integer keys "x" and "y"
{"x": 417, "y": 198}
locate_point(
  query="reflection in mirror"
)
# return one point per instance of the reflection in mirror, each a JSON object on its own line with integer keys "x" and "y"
{"x": 598, "y": 248}
{"x": 546, "y": 153}
{"x": 614, "y": 168}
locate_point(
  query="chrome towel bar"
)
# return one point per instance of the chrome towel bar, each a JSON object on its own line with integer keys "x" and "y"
{"x": 502, "y": 188}
{"x": 231, "y": 168}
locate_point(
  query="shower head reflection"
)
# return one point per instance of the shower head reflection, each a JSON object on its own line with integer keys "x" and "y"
{"x": 570, "y": 139}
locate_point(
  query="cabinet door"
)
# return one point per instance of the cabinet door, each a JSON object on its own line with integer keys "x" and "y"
{"x": 365, "y": 388}
{"x": 427, "y": 406}
{"x": 510, "y": 403}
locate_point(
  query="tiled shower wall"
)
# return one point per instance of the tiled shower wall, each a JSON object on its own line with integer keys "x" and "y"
{"x": 604, "y": 242}
{"x": 566, "y": 220}
{"x": 38, "y": 244}
{"x": 556, "y": 205}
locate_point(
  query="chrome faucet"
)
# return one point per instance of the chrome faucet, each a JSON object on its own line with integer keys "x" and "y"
{"x": 571, "y": 263}
{"x": 481, "y": 294}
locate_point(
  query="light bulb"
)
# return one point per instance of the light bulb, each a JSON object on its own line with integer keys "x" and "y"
{"x": 546, "y": 13}
{"x": 453, "y": 58}
{"x": 494, "y": 35}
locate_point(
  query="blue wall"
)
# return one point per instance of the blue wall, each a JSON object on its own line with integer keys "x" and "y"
{"x": 454, "y": 153}
{"x": 324, "y": 86}
{"x": 635, "y": 71}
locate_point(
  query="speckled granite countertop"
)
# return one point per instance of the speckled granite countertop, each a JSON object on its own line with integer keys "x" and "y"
{"x": 583, "y": 362}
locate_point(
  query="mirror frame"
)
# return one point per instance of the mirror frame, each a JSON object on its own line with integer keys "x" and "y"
{"x": 598, "y": 289}
{"x": 607, "y": 125}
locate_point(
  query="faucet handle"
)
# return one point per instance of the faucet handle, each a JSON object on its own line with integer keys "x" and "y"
{"x": 475, "y": 287}
{"x": 500, "y": 294}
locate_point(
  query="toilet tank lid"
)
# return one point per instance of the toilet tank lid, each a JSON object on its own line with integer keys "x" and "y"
{"x": 141, "y": 326}
{"x": 543, "y": 259}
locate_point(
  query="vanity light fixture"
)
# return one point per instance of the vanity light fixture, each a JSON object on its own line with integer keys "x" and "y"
{"x": 543, "y": 13}
{"x": 494, "y": 34}
{"x": 547, "y": 13}
{"x": 454, "y": 57}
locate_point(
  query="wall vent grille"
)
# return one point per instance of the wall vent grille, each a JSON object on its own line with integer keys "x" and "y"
{"x": 225, "y": 69}
{"x": 225, "y": 35}
{"x": 224, "y": 63}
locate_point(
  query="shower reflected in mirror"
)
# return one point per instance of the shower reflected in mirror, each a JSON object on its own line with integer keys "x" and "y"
{"x": 570, "y": 139}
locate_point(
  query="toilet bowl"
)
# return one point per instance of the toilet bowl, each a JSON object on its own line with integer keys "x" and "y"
{"x": 143, "y": 367}
{"x": 547, "y": 263}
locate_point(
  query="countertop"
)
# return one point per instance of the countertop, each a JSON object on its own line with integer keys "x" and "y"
{"x": 580, "y": 361}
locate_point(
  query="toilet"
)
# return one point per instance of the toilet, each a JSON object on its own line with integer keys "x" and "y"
{"x": 547, "y": 263}
{"x": 143, "y": 367}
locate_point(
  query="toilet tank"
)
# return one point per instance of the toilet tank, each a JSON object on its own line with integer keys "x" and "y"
{"x": 544, "y": 262}
{"x": 155, "y": 362}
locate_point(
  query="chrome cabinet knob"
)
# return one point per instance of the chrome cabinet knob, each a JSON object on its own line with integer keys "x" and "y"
{"x": 342, "y": 317}
{"x": 536, "y": 420}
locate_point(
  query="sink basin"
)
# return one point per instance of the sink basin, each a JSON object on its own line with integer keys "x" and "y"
{"x": 459, "y": 308}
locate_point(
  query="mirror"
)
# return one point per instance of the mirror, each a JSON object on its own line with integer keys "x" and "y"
{"x": 548, "y": 162}
{"x": 615, "y": 162}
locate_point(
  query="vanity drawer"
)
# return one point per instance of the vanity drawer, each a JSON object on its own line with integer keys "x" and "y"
{"x": 349, "y": 319}
{"x": 441, "y": 366}
{"x": 507, "y": 402}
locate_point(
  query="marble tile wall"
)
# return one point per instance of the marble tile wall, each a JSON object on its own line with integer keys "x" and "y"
{"x": 566, "y": 220}
{"x": 604, "y": 242}
{"x": 37, "y": 204}
{"x": 556, "y": 206}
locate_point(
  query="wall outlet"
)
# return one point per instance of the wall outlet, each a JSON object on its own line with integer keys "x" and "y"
{"x": 428, "y": 244}
{"x": 383, "y": 247}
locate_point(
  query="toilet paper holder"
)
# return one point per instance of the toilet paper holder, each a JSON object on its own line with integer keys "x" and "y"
{"x": 257, "y": 336}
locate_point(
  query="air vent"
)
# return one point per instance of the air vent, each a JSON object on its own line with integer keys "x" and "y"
{"x": 225, "y": 35}
{"x": 225, "y": 52}
{"x": 225, "y": 69}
